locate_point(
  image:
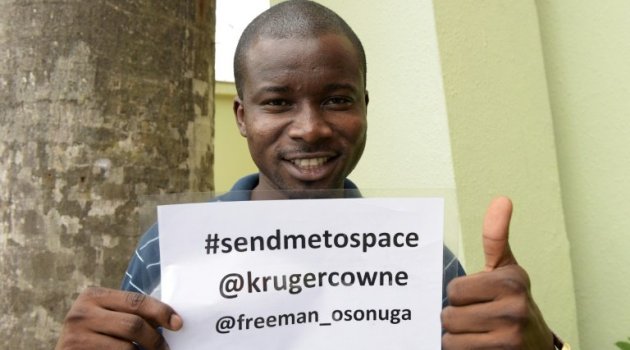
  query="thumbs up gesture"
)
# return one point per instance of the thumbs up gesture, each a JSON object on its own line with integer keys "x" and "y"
{"x": 494, "y": 309}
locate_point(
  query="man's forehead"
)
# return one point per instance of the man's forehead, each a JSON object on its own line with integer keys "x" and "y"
{"x": 273, "y": 57}
{"x": 265, "y": 50}
{"x": 277, "y": 41}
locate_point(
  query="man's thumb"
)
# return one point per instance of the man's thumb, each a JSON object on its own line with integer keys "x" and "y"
{"x": 496, "y": 225}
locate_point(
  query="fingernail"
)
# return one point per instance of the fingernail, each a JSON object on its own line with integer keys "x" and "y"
{"x": 175, "y": 322}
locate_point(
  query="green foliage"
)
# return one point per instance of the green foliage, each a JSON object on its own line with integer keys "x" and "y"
{"x": 623, "y": 345}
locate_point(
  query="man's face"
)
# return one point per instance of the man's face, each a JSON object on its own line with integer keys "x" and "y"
{"x": 303, "y": 112}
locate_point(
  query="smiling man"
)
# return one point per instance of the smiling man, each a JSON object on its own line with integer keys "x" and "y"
{"x": 302, "y": 106}
{"x": 303, "y": 109}
{"x": 302, "y": 99}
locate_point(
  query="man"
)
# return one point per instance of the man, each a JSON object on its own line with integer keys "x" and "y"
{"x": 302, "y": 105}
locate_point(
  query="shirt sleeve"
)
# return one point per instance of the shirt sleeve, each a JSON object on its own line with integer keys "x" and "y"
{"x": 452, "y": 269}
{"x": 143, "y": 272}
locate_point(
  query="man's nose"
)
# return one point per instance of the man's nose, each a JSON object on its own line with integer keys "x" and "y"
{"x": 310, "y": 124}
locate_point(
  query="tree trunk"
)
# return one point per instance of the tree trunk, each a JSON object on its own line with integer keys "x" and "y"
{"x": 101, "y": 102}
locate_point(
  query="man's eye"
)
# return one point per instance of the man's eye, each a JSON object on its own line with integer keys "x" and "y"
{"x": 277, "y": 103}
{"x": 338, "y": 100}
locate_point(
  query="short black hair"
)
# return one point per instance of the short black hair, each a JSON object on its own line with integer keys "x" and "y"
{"x": 293, "y": 19}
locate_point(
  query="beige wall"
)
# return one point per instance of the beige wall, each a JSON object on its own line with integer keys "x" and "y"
{"x": 231, "y": 157}
{"x": 502, "y": 139}
{"x": 587, "y": 55}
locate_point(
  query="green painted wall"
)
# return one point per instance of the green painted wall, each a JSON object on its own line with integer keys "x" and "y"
{"x": 231, "y": 157}
{"x": 587, "y": 54}
{"x": 503, "y": 143}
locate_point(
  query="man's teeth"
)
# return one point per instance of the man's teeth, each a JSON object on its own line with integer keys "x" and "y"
{"x": 309, "y": 162}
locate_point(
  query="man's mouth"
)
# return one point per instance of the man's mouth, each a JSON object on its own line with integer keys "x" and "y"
{"x": 309, "y": 163}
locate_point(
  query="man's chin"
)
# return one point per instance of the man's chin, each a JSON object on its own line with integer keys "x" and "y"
{"x": 312, "y": 189}
{"x": 314, "y": 193}
{"x": 295, "y": 187}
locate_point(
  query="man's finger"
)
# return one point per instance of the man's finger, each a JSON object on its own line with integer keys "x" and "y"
{"x": 76, "y": 340}
{"x": 475, "y": 318}
{"x": 486, "y": 287}
{"x": 486, "y": 340}
{"x": 126, "y": 327}
{"x": 155, "y": 312}
{"x": 496, "y": 225}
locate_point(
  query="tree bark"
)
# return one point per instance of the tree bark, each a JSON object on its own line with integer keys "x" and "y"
{"x": 101, "y": 103}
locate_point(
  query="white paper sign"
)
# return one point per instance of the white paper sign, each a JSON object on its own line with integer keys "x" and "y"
{"x": 304, "y": 274}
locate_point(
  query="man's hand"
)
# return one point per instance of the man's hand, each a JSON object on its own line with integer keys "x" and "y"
{"x": 494, "y": 309}
{"x": 110, "y": 319}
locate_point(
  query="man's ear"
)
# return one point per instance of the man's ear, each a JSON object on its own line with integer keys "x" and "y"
{"x": 239, "y": 114}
